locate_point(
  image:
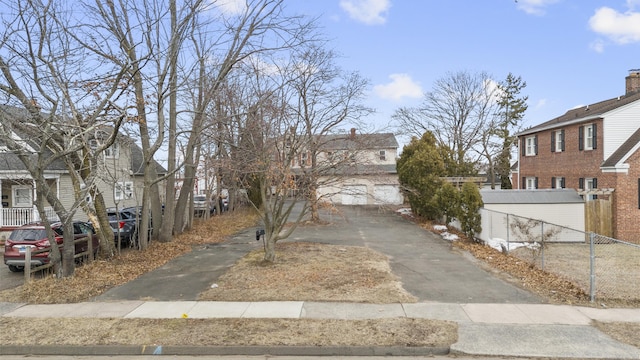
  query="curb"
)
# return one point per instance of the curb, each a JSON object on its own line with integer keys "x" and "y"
{"x": 114, "y": 350}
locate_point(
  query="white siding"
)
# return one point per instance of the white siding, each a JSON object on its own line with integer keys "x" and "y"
{"x": 619, "y": 125}
{"x": 571, "y": 216}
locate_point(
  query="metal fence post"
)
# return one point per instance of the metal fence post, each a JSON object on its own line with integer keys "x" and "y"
{"x": 592, "y": 266}
{"x": 542, "y": 245}
{"x": 508, "y": 233}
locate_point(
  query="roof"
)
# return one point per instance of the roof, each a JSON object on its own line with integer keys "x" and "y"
{"x": 359, "y": 141}
{"x": 538, "y": 196}
{"x": 584, "y": 113}
{"x": 10, "y": 161}
{"x": 357, "y": 169}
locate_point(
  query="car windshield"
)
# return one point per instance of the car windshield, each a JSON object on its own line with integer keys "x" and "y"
{"x": 28, "y": 235}
{"x": 122, "y": 216}
{"x": 199, "y": 198}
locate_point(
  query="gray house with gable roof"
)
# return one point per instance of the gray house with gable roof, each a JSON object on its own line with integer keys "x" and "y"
{"x": 121, "y": 182}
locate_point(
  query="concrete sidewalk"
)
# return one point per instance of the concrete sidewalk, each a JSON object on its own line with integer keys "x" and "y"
{"x": 532, "y": 330}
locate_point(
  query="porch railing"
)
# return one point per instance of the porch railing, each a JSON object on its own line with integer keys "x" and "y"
{"x": 15, "y": 217}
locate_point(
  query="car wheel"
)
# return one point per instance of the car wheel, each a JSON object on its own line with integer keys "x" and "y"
{"x": 14, "y": 268}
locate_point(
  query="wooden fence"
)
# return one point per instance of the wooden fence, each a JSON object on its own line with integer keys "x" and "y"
{"x": 28, "y": 253}
{"x": 598, "y": 217}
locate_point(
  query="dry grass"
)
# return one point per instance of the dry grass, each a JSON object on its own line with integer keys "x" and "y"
{"x": 93, "y": 279}
{"x": 623, "y": 332}
{"x": 303, "y": 272}
{"x": 312, "y": 272}
{"x": 617, "y": 268}
{"x": 239, "y": 332}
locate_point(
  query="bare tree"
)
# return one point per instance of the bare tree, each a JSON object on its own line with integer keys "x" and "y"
{"x": 61, "y": 105}
{"x": 456, "y": 111}
{"x": 326, "y": 98}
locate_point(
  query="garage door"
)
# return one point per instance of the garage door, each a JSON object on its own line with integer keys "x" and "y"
{"x": 354, "y": 195}
{"x": 387, "y": 194}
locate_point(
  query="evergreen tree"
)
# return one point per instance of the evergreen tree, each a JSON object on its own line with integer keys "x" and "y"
{"x": 470, "y": 204}
{"x": 447, "y": 200}
{"x": 419, "y": 170}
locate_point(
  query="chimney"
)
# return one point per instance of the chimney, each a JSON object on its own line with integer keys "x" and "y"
{"x": 353, "y": 134}
{"x": 632, "y": 81}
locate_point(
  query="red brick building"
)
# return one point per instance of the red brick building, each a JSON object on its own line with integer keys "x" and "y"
{"x": 597, "y": 147}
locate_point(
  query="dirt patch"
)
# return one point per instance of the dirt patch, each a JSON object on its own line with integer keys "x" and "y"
{"x": 240, "y": 332}
{"x": 312, "y": 272}
{"x": 621, "y": 331}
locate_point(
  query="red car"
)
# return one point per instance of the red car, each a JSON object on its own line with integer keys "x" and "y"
{"x": 35, "y": 236}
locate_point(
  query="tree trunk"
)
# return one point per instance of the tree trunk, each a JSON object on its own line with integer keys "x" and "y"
{"x": 102, "y": 226}
{"x": 270, "y": 249}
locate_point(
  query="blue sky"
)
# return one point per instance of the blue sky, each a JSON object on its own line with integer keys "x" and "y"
{"x": 570, "y": 52}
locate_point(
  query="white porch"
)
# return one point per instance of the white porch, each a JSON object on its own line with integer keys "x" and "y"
{"x": 17, "y": 192}
{"x": 15, "y": 217}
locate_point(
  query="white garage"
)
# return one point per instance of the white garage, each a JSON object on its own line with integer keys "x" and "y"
{"x": 354, "y": 195}
{"x": 385, "y": 194}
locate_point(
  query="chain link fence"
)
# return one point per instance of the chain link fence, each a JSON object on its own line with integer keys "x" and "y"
{"x": 603, "y": 267}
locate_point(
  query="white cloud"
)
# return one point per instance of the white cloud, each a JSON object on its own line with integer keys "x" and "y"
{"x": 535, "y": 7}
{"x": 370, "y": 12}
{"x": 622, "y": 28}
{"x": 401, "y": 86}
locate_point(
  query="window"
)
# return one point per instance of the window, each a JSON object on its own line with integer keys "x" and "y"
{"x": 112, "y": 151}
{"x": 383, "y": 155}
{"x": 587, "y": 137}
{"x": 530, "y": 182}
{"x": 21, "y": 196}
{"x": 123, "y": 190}
{"x": 303, "y": 159}
{"x": 557, "y": 183}
{"x": 531, "y": 145}
{"x": 557, "y": 141}
{"x": 588, "y": 184}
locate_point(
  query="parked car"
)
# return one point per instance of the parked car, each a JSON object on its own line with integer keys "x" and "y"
{"x": 124, "y": 224}
{"x": 35, "y": 236}
{"x": 202, "y": 205}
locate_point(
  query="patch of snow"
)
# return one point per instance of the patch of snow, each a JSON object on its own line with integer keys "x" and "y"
{"x": 440, "y": 228}
{"x": 449, "y": 236}
{"x": 405, "y": 211}
{"x": 499, "y": 244}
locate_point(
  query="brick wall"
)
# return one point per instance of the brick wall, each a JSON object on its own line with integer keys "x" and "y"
{"x": 626, "y": 202}
{"x": 571, "y": 163}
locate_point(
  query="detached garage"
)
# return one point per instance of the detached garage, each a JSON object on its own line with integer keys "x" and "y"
{"x": 387, "y": 194}
{"x": 354, "y": 195}
{"x": 558, "y": 209}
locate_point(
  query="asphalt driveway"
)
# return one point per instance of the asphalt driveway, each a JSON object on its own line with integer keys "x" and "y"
{"x": 427, "y": 265}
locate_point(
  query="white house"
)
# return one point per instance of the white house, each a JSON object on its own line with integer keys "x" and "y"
{"x": 367, "y": 177}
